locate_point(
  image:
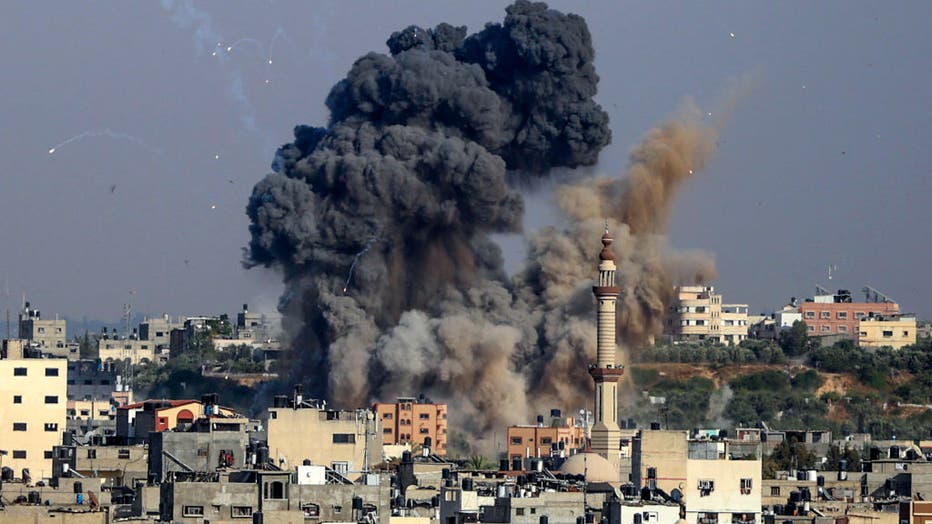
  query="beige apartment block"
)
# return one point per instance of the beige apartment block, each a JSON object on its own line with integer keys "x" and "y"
{"x": 723, "y": 491}
{"x": 699, "y": 314}
{"x": 660, "y": 459}
{"x": 33, "y": 397}
{"x": 332, "y": 438}
{"x": 138, "y": 352}
{"x": 893, "y": 331}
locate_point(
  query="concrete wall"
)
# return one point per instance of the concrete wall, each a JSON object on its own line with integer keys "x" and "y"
{"x": 895, "y": 333}
{"x": 726, "y": 498}
{"x": 198, "y": 450}
{"x": 42, "y": 515}
{"x": 319, "y": 435}
{"x": 665, "y": 450}
{"x": 23, "y": 400}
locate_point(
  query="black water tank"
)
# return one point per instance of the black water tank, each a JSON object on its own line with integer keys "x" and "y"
{"x": 445, "y": 473}
{"x": 820, "y": 481}
{"x": 428, "y": 442}
{"x": 654, "y": 426}
{"x": 6, "y": 474}
{"x": 516, "y": 464}
{"x": 580, "y": 520}
{"x": 631, "y": 424}
{"x": 78, "y": 487}
{"x": 894, "y": 452}
{"x": 307, "y": 462}
{"x": 521, "y": 480}
{"x": 556, "y": 414}
{"x": 34, "y": 497}
{"x": 540, "y": 420}
{"x": 262, "y": 455}
{"x": 357, "y": 502}
{"x": 467, "y": 484}
{"x": 257, "y": 517}
{"x": 405, "y": 457}
{"x": 543, "y": 520}
{"x": 280, "y": 401}
{"x": 795, "y": 496}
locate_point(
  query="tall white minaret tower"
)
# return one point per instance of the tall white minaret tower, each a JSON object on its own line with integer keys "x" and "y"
{"x": 606, "y": 436}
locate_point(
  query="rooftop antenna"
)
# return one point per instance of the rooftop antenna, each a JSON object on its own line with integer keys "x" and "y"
{"x": 128, "y": 315}
{"x": 831, "y": 267}
{"x": 872, "y": 295}
{"x": 821, "y": 290}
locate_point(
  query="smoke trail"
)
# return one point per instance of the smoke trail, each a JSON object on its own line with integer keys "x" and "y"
{"x": 107, "y": 133}
{"x": 420, "y": 146}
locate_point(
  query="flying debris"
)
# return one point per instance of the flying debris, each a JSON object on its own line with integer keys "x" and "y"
{"x": 112, "y": 188}
{"x": 52, "y": 151}
{"x": 731, "y": 35}
{"x": 217, "y": 156}
{"x": 213, "y": 206}
{"x": 365, "y": 249}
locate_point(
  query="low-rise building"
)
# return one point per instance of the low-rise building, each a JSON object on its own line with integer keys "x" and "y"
{"x": 659, "y": 459}
{"x": 114, "y": 465}
{"x": 720, "y": 489}
{"x": 416, "y": 421}
{"x": 349, "y": 442}
{"x": 47, "y": 335}
{"x": 280, "y": 496}
{"x": 136, "y": 421}
{"x": 158, "y": 330}
{"x": 32, "y": 409}
{"x": 838, "y": 314}
{"x": 893, "y": 331}
{"x": 558, "y": 437}
{"x": 134, "y": 351}
{"x": 211, "y": 442}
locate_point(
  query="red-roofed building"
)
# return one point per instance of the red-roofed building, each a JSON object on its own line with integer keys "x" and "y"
{"x": 136, "y": 421}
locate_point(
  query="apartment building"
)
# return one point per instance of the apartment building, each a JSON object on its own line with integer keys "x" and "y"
{"x": 559, "y": 437}
{"x": 32, "y": 410}
{"x": 699, "y": 314}
{"x": 838, "y": 314}
{"x": 720, "y": 488}
{"x": 158, "y": 330}
{"x": 137, "y": 352}
{"x": 50, "y": 336}
{"x": 348, "y": 442}
{"x": 416, "y": 421}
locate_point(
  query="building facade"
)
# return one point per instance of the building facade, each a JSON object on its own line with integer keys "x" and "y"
{"x": 838, "y": 314}
{"x": 348, "y": 442}
{"x": 49, "y": 335}
{"x": 699, "y": 314}
{"x": 894, "y": 331}
{"x": 558, "y": 438}
{"x": 414, "y": 421}
{"x": 32, "y": 412}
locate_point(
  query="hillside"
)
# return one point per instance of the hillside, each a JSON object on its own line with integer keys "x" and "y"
{"x": 843, "y": 388}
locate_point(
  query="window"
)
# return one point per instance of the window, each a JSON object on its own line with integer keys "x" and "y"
{"x": 858, "y": 314}
{"x": 92, "y": 453}
{"x": 746, "y": 486}
{"x": 810, "y": 329}
{"x": 123, "y": 454}
{"x": 810, "y": 314}
{"x": 274, "y": 490}
{"x": 424, "y": 416}
{"x": 105, "y": 382}
{"x": 51, "y": 399}
{"x": 85, "y": 412}
{"x": 51, "y": 426}
{"x": 825, "y": 314}
{"x": 423, "y": 431}
{"x": 192, "y": 511}
{"x": 88, "y": 382}
{"x": 826, "y": 329}
{"x": 19, "y": 426}
{"x": 519, "y": 512}
{"x": 906, "y": 333}
{"x": 888, "y": 333}
{"x": 842, "y": 329}
{"x": 344, "y": 438}
{"x": 310, "y": 511}
{"x": 387, "y": 430}
{"x": 241, "y": 512}
{"x": 387, "y": 416}
{"x": 774, "y": 491}
{"x": 341, "y": 467}
{"x": 17, "y": 399}
{"x": 19, "y": 372}
{"x": 47, "y": 454}
{"x": 516, "y": 441}
{"x": 546, "y": 441}
{"x": 19, "y": 453}
{"x": 841, "y": 315}
{"x": 706, "y": 487}
{"x": 51, "y": 372}
{"x": 41, "y": 330}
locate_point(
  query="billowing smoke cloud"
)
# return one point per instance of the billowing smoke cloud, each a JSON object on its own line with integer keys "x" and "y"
{"x": 381, "y": 222}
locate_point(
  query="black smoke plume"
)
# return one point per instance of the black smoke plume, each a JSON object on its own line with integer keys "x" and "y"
{"x": 380, "y": 223}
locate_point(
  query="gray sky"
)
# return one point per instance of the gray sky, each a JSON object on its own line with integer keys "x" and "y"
{"x": 828, "y": 161}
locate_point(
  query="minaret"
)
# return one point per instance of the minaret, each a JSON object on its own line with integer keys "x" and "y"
{"x": 605, "y": 435}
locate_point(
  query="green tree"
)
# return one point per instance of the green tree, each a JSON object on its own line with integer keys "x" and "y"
{"x": 794, "y": 341}
{"x": 87, "y": 346}
{"x": 788, "y": 455}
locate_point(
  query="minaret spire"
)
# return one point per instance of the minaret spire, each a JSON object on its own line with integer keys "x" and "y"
{"x": 606, "y": 436}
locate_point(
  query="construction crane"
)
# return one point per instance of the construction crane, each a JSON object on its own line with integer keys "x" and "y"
{"x": 872, "y": 295}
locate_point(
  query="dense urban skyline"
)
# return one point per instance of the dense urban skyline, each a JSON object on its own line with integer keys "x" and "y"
{"x": 824, "y": 162}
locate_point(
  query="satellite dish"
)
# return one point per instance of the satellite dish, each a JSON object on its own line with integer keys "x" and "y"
{"x": 676, "y": 495}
